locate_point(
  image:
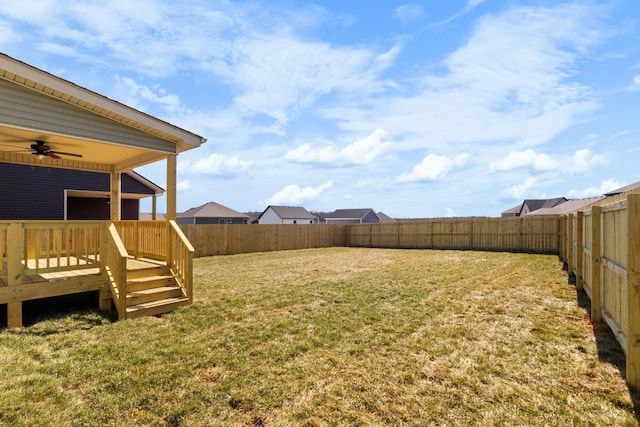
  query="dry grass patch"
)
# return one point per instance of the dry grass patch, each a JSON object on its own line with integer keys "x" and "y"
{"x": 330, "y": 337}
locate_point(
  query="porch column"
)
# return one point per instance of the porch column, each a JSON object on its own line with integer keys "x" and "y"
{"x": 116, "y": 181}
{"x": 154, "y": 207}
{"x": 171, "y": 187}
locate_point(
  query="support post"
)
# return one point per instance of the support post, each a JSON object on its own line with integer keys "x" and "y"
{"x": 15, "y": 251}
{"x": 114, "y": 201}
{"x": 171, "y": 187}
{"x": 104, "y": 296}
{"x": 633, "y": 286}
{"x": 596, "y": 310}
{"x": 154, "y": 207}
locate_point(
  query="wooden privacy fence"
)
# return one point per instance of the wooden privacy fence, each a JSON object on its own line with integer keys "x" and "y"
{"x": 533, "y": 234}
{"x": 527, "y": 234}
{"x": 229, "y": 239}
{"x": 601, "y": 249}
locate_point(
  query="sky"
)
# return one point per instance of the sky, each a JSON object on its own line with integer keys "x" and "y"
{"x": 416, "y": 109}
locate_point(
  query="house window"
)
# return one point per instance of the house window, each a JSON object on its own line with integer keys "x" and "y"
{"x": 244, "y": 221}
{"x": 228, "y": 220}
{"x": 295, "y": 221}
{"x": 221, "y": 221}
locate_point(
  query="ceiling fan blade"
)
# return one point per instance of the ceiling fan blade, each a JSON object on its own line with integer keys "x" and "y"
{"x": 64, "y": 154}
{"x": 15, "y": 147}
{"x": 52, "y": 155}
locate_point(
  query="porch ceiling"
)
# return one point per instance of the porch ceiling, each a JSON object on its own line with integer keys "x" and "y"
{"x": 96, "y": 155}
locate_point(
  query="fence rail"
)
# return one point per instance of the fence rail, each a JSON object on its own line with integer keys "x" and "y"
{"x": 601, "y": 249}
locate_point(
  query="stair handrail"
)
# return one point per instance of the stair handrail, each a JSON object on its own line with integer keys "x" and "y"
{"x": 180, "y": 258}
{"x": 115, "y": 267}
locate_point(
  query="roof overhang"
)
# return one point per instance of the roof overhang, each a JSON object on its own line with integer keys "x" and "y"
{"x": 98, "y": 153}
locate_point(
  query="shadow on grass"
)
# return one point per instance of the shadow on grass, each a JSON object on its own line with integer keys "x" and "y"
{"x": 79, "y": 308}
{"x": 609, "y": 349}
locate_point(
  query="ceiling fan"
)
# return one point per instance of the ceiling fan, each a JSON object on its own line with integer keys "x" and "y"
{"x": 41, "y": 150}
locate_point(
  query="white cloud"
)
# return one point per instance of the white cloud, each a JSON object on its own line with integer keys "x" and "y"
{"x": 294, "y": 194}
{"x": 510, "y": 82}
{"x": 433, "y": 167}
{"x": 363, "y": 151}
{"x": 217, "y": 164}
{"x": 520, "y": 191}
{"x": 583, "y": 160}
{"x": 136, "y": 95}
{"x": 183, "y": 185}
{"x": 525, "y": 159}
{"x": 408, "y": 12}
{"x": 635, "y": 85}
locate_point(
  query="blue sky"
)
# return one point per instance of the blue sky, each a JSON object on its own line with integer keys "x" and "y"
{"x": 416, "y": 109}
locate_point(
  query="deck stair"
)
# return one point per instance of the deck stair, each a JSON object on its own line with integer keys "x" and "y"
{"x": 152, "y": 290}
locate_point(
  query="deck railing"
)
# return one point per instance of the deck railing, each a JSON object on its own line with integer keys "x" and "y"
{"x": 160, "y": 240}
{"x": 115, "y": 268}
{"x": 39, "y": 247}
{"x": 144, "y": 239}
{"x": 180, "y": 258}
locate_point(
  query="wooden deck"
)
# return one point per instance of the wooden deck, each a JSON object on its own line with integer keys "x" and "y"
{"x": 42, "y": 259}
{"x": 133, "y": 264}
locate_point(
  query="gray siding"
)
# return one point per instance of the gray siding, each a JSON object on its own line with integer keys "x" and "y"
{"x": 22, "y": 107}
{"x": 370, "y": 217}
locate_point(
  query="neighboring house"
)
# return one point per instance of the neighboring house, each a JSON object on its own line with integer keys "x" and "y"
{"x": 385, "y": 218}
{"x": 625, "y": 189}
{"x": 352, "y": 216}
{"x": 514, "y": 211}
{"x": 148, "y": 216}
{"x": 48, "y": 193}
{"x": 212, "y": 213}
{"x": 286, "y": 215}
{"x": 531, "y": 205}
{"x": 566, "y": 207}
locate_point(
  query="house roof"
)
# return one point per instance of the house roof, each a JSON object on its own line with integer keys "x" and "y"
{"x": 349, "y": 213}
{"x": 144, "y": 181}
{"x": 48, "y": 84}
{"x": 290, "y": 212}
{"x": 108, "y": 135}
{"x": 535, "y": 204}
{"x": 211, "y": 210}
{"x": 513, "y": 210}
{"x": 566, "y": 207}
{"x": 146, "y": 216}
{"x": 383, "y": 217}
{"x": 626, "y": 188}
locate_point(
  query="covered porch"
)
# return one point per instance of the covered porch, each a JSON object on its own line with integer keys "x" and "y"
{"x": 51, "y": 122}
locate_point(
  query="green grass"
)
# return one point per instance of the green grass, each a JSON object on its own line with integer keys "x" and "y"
{"x": 331, "y": 337}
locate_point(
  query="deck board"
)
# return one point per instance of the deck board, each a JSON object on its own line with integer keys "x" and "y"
{"x": 84, "y": 269}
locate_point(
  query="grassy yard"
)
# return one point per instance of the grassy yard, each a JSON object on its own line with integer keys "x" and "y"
{"x": 331, "y": 337}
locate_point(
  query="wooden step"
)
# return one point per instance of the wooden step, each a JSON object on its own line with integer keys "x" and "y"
{"x": 154, "y": 308}
{"x": 153, "y": 294}
{"x": 142, "y": 283}
{"x": 152, "y": 270}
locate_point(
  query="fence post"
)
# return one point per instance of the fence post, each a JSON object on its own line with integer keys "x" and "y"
{"x": 570, "y": 252}
{"x": 633, "y": 286}
{"x": 596, "y": 310}
{"x": 579, "y": 249}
